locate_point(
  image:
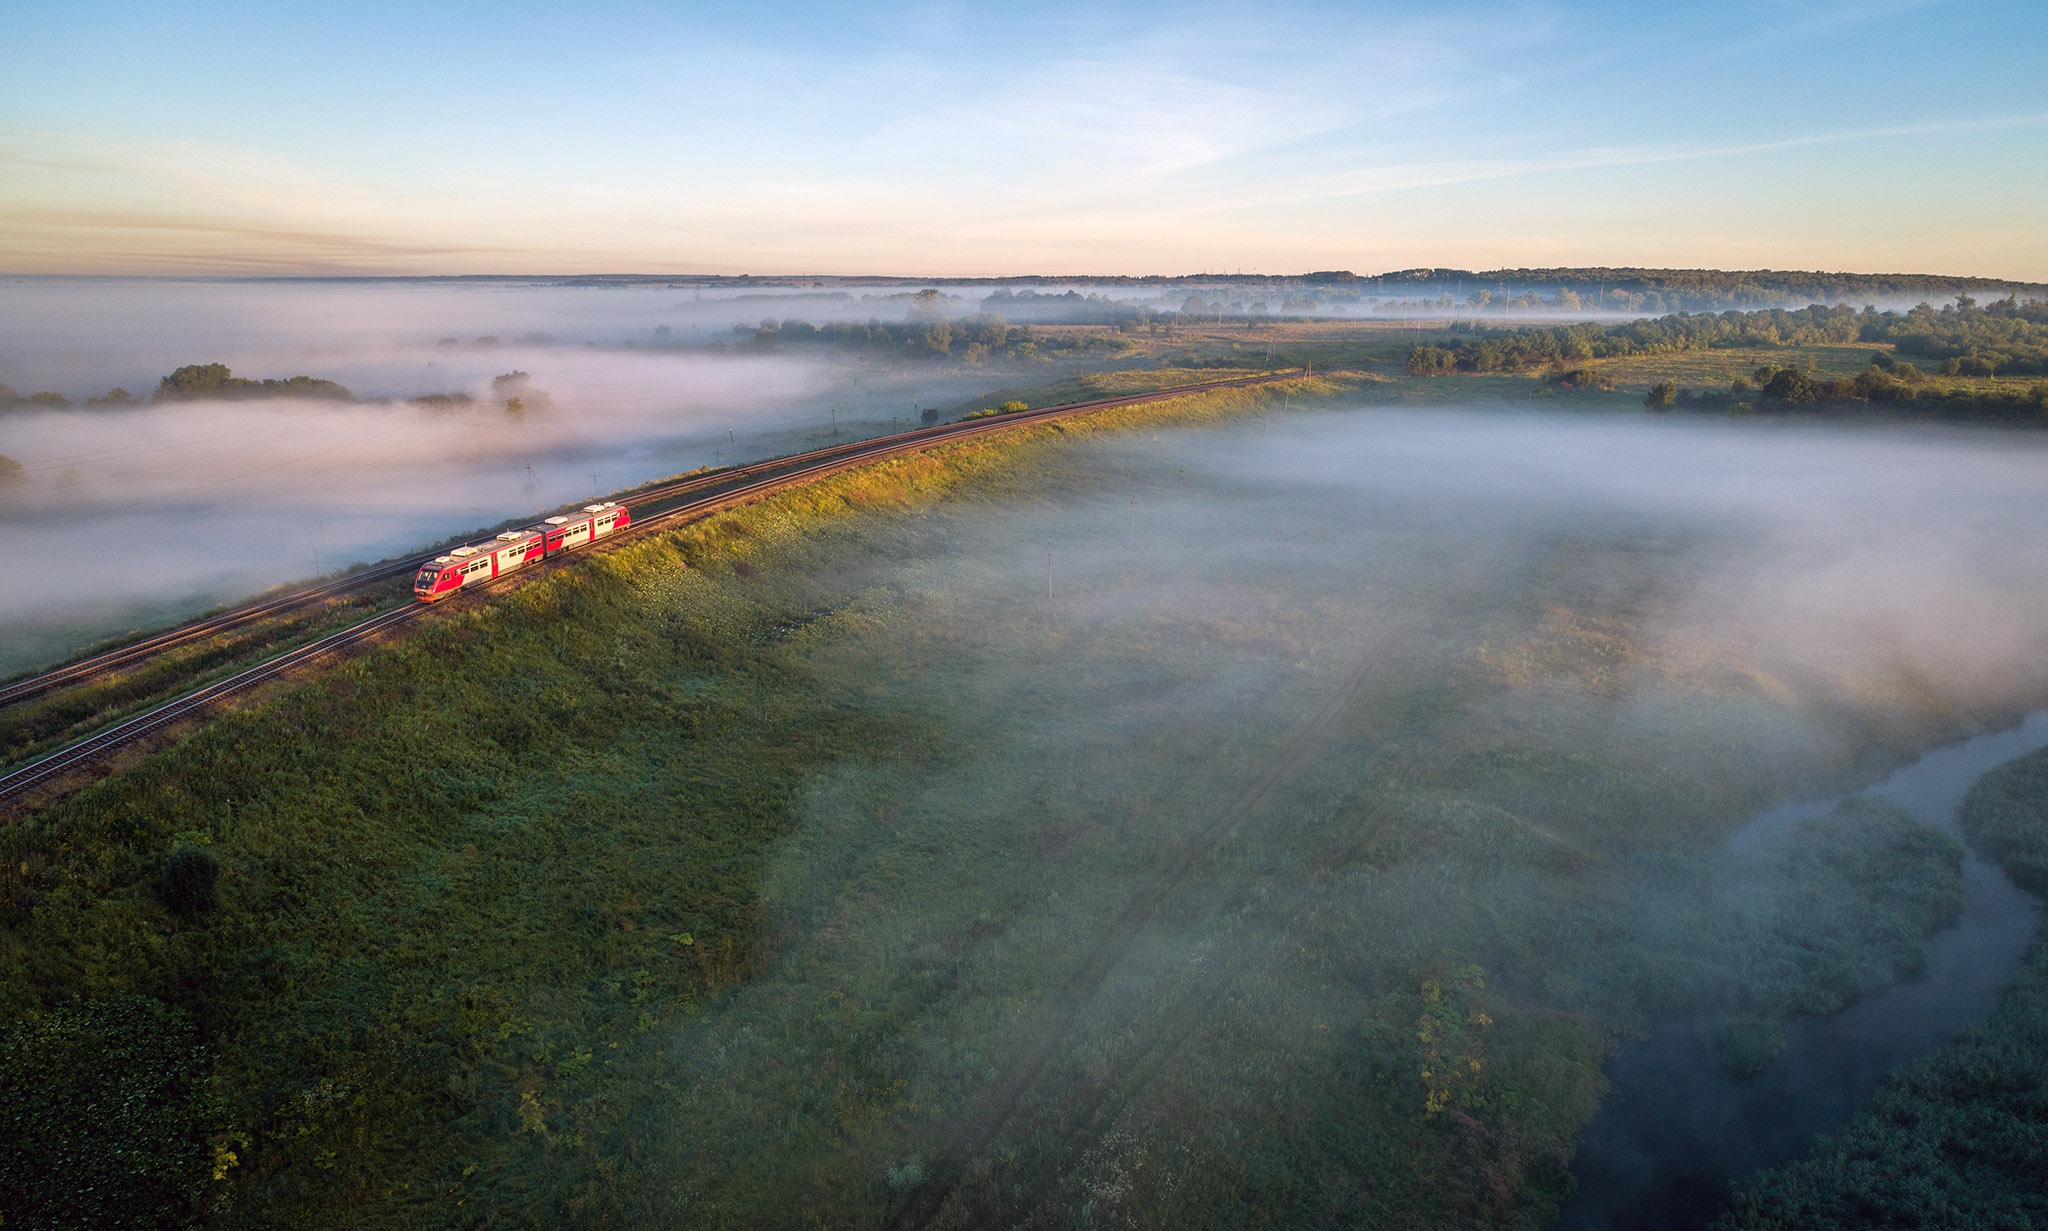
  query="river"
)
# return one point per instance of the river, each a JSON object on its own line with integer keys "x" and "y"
{"x": 1676, "y": 1128}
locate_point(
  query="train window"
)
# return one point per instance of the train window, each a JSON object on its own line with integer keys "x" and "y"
{"x": 426, "y": 578}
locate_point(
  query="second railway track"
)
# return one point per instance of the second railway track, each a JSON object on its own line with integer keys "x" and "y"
{"x": 702, "y": 496}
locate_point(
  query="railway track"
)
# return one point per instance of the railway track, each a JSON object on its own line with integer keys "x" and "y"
{"x": 701, "y": 496}
{"x": 101, "y": 743}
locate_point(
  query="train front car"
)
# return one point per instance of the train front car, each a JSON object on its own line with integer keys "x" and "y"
{"x": 437, "y": 579}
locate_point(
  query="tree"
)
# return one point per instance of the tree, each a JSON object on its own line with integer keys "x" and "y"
{"x": 194, "y": 380}
{"x": 1431, "y": 361}
{"x": 1792, "y": 385}
{"x": 1662, "y": 395}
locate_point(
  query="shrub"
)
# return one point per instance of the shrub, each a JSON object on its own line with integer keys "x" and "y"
{"x": 189, "y": 880}
{"x": 1792, "y": 385}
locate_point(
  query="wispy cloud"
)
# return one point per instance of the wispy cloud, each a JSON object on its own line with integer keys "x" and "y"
{"x": 1404, "y": 176}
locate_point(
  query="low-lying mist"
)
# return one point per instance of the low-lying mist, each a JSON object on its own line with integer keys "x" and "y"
{"x": 1309, "y": 801}
{"x": 131, "y": 513}
{"x": 136, "y": 512}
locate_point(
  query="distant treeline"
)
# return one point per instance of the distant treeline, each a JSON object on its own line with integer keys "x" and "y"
{"x": 1821, "y": 283}
{"x": 193, "y": 381}
{"x": 1718, "y": 287}
{"x": 975, "y": 339}
{"x": 1899, "y": 384}
{"x": 214, "y": 380}
{"x": 2008, "y": 337}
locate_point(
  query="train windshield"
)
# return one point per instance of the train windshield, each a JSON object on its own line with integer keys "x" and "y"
{"x": 426, "y": 579}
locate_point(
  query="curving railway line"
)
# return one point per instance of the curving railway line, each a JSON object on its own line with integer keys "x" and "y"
{"x": 699, "y": 496}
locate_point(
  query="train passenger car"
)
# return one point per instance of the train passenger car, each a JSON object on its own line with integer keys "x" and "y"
{"x": 472, "y": 565}
{"x": 596, "y": 521}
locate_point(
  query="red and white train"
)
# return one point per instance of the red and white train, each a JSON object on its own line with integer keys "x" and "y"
{"x": 478, "y": 563}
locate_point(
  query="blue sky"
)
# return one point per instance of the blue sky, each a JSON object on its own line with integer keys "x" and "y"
{"x": 948, "y": 139}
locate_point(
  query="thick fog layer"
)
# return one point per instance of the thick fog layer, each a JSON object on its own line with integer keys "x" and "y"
{"x": 1857, "y": 552}
{"x": 395, "y": 338}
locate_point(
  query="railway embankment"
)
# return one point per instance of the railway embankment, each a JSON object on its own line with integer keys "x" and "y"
{"x": 124, "y": 695}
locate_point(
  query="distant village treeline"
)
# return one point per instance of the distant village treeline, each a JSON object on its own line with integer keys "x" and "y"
{"x": 1965, "y": 339}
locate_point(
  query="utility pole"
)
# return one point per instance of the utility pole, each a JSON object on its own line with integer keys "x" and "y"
{"x": 835, "y": 423}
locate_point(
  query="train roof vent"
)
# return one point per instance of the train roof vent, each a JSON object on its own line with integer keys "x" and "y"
{"x": 593, "y": 508}
{"x": 463, "y": 551}
{"x": 444, "y": 559}
{"x": 511, "y": 534}
{"x": 556, "y": 521}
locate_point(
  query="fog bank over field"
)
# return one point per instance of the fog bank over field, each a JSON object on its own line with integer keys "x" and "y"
{"x": 1856, "y": 551}
{"x": 138, "y": 513}
{"x": 1265, "y": 743}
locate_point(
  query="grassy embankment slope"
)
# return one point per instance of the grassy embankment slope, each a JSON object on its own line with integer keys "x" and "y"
{"x": 838, "y": 877}
{"x": 1961, "y": 1140}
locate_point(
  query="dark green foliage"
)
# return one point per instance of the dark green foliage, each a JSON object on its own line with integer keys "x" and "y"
{"x": 1850, "y": 897}
{"x": 214, "y": 380}
{"x": 1431, "y": 361}
{"x": 2006, "y": 816}
{"x": 1661, "y": 395}
{"x": 1792, "y": 385}
{"x": 104, "y": 1117}
{"x": 189, "y": 880}
{"x": 1962, "y": 1139}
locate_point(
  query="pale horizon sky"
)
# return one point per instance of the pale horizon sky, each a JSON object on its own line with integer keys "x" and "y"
{"x": 941, "y": 139}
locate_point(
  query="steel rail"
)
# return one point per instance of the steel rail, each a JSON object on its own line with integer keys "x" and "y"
{"x": 782, "y": 474}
